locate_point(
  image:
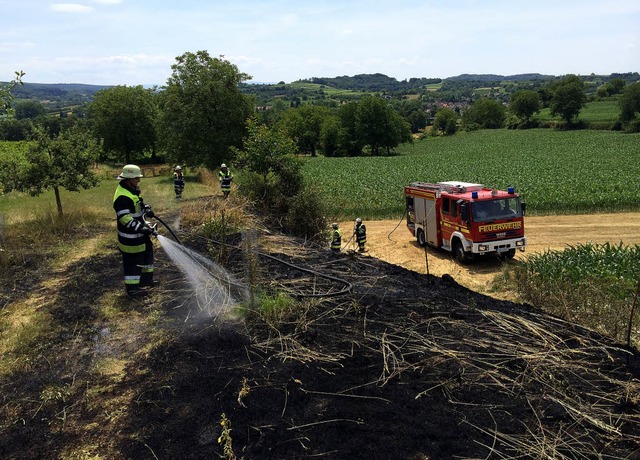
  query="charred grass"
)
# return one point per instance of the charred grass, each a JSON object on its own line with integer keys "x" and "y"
{"x": 340, "y": 356}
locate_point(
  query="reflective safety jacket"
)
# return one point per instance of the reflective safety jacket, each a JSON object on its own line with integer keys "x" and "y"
{"x": 178, "y": 181}
{"x": 361, "y": 233}
{"x": 225, "y": 180}
{"x": 128, "y": 206}
{"x": 336, "y": 240}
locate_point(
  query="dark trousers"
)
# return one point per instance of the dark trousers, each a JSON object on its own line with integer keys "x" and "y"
{"x": 138, "y": 267}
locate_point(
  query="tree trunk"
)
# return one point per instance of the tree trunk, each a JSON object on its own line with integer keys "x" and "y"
{"x": 56, "y": 190}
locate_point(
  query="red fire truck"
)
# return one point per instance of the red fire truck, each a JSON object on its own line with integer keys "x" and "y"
{"x": 467, "y": 219}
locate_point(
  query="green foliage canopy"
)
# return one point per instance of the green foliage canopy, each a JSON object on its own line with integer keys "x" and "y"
{"x": 484, "y": 113}
{"x": 203, "y": 112}
{"x": 630, "y": 102}
{"x": 29, "y": 109}
{"x": 64, "y": 161}
{"x": 445, "y": 122}
{"x": 568, "y": 97}
{"x": 6, "y": 98}
{"x": 124, "y": 118}
{"x": 525, "y": 104}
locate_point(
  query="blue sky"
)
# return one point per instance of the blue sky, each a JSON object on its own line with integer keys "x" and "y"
{"x": 135, "y": 42}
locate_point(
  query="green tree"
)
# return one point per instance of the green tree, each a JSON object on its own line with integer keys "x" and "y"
{"x": 305, "y": 126}
{"x": 50, "y": 164}
{"x": 272, "y": 170}
{"x": 484, "y": 113}
{"x": 524, "y": 104}
{"x": 379, "y": 126}
{"x": 330, "y": 136}
{"x": 630, "y": 103}
{"x": 568, "y": 98}
{"x": 203, "y": 112}
{"x": 29, "y": 109}
{"x": 445, "y": 122}
{"x": 6, "y": 98}
{"x": 349, "y": 142}
{"x": 124, "y": 117}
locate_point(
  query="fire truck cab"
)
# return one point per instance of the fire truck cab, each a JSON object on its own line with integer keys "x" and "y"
{"x": 466, "y": 219}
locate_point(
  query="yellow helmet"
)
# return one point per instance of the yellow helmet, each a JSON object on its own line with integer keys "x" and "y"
{"x": 130, "y": 172}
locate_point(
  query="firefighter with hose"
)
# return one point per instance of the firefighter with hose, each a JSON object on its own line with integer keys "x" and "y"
{"x": 134, "y": 233}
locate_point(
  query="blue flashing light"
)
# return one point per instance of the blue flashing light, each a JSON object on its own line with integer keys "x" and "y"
{"x": 474, "y": 195}
{"x": 511, "y": 190}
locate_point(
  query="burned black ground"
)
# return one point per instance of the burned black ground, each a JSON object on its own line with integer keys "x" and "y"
{"x": 402, "y": 366}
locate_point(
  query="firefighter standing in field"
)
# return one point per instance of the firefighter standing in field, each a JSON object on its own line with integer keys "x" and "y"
{"x": 336, "y": 238}
{"x": 225, "y": 178}
{"x": 134, "y": 233}
{"x": 178, "y": 181}
{"x": 360, "y": 232}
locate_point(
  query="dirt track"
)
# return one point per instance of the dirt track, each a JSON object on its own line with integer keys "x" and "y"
{"x": 543, "y": 233}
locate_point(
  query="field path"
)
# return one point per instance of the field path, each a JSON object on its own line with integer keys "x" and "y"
{"x": 543, "y": 233}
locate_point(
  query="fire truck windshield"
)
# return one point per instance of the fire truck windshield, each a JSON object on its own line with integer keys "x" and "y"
{"x": 507, "y": 208}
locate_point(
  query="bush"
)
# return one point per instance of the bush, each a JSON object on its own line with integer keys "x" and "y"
{"x": 306, "y": 216}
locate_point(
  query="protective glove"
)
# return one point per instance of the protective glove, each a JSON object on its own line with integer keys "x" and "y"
{"x": 149, "y": 230}
{"x": 147, "y": 211}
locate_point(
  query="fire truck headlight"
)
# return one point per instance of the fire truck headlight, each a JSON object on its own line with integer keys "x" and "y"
{"x": 520, "y": 243}
{"x": 483, "y": 247}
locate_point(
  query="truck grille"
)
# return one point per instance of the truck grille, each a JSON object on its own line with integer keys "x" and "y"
{"x": 500, "y": 235}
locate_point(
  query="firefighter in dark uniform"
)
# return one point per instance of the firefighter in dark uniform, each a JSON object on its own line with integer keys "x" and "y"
{"x": 336, "y": 238}
{"x": 178, "y": 181}
{"x": 225, "y": 177}
{"x": 360, "y": 232}
{"x": 134, "y": 234}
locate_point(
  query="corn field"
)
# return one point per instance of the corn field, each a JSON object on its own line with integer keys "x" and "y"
{"x": 557, "y": 172}
{"x": 590, "y": 284}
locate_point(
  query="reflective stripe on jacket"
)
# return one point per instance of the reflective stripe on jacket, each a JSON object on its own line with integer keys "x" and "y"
{"x": 336, "y": 241}
{"x": 361, "y": 233}
{"x": 225, "y": 179}
{"x": 128, "y": 207}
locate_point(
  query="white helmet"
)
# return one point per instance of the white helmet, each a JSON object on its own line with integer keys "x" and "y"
{"x": 178, "y": 168}
{"x": 334, "y": 225}
{"x": 358, "y": 221}
{"x": 223, "y": 165}
{"x": 130, "y": 172}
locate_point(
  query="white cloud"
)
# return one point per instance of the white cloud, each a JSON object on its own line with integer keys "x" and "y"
{"x": 70, "y": 8}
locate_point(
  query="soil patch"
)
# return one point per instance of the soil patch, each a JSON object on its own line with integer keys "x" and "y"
{"x": 389, "y": 240}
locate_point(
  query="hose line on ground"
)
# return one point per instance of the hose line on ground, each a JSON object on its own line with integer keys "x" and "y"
{"x": 396, "y": 227}
{"x": 347, "y": 285}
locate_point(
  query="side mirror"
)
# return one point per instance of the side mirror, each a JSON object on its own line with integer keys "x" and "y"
{"x": 523, "y": 206}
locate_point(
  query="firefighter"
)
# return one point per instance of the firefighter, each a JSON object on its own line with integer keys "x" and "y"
{"x": 336, "y": 237}
{"x": 134, "y": 233}
{"x": 360, "y": 232}
{"x": 225, "y": 178}
{"x": 178, "y": 181}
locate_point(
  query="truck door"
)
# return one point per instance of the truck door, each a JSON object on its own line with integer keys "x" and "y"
{"x": 449, "y": 218}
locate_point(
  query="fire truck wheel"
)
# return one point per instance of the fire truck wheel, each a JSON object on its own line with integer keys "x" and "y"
{"x": 422, "y": 241}
{"x": 460, "y": 254}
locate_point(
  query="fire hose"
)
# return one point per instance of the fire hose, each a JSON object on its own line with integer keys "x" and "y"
{"x": 347, "y": 285}
{"x": 147, "y": 212}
